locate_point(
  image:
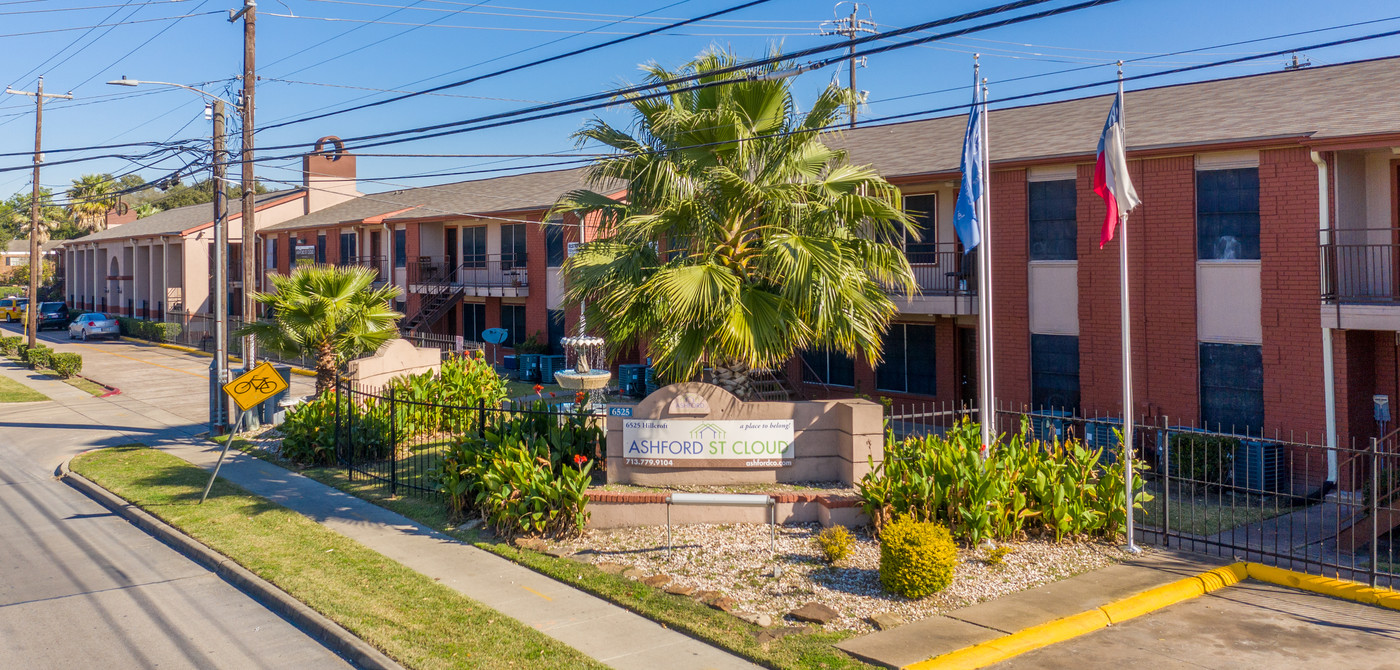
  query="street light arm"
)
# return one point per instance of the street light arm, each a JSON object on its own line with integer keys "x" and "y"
{"x": 137, "y": 82}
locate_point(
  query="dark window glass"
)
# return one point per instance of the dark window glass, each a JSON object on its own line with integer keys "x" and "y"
{"x": 829, "y": 367}
{"x": 554, "y": 244}
{"x": 1232, "y": 387}
{"x": 474, "y": 247}
{"x": 1055, "y": 372}
{"x": 473, "y": 320}
{"x": 513, "y": 320}
{"x": 1227, "y": 214}
{"x": 272, "y": 253}
{"x": 513, "y": 246}
{"x": 556, "y": 332}
{"x": 321, "y": 248}
{"x": 1052, "y": 223}
{"x": 400, "y": 248}
{"x": 347, "y": 248}
{"x": 923, "y": 209}
{"x": 908, "y": 366}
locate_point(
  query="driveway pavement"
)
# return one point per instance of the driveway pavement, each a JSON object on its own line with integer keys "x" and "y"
{"x": 80, "y": 586}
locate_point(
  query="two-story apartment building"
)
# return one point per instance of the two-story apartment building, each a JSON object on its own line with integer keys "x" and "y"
{"x": 1263, "y": 275}
{"x": 469, "y": 256}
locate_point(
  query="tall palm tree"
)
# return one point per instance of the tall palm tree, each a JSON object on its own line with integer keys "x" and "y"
{"x": 328, "y": 313}
{"x": 91, "y": 202}
{"x": 743, "y": 238}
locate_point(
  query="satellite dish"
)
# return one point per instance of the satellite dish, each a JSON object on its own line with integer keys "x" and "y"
{"x": 495, "y": 335}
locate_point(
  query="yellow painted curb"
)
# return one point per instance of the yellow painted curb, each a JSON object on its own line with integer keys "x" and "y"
{"x": 191, "y": 350}
{"x": 1327, "y": 586}
{"x": 1008, "y": 646}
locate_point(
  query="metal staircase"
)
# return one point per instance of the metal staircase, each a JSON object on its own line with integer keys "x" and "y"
{"x": 770, "y": 385}
{"x": 437, "y": 300}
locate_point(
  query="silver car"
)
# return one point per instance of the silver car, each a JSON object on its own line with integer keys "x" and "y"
{"x": 93, "y": 324}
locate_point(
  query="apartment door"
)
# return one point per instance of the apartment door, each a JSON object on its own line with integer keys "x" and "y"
{"x": 450, "y": 241}
{"x": 967, "y": 367}
{"x": 376, "y": 251}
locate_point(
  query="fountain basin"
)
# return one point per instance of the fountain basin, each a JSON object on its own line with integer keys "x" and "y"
{"x": 583, "y": 381}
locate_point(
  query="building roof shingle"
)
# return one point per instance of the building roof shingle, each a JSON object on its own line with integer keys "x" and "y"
{"x": 173, "y": 221}
{"x": 21, "y": 246}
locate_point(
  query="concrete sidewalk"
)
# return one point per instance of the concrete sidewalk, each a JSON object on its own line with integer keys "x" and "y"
{"x": 594, "y": 626}
{"x": 965, "y": 627}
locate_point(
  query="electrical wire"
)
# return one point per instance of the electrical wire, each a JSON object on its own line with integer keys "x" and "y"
{"x": 333, "y": 19}
{"x": 600, "y": 18}
{"x": 374, "y": 43}
{"x": 79, "y": 9}
{"x": 140, "y": 46}
{"x": 391, "y": 90}
{"x": 70, "y": 45}
{"x": 104, "y": 25}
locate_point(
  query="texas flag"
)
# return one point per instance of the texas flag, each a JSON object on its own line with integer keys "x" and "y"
{"x": 1111, "y": 180}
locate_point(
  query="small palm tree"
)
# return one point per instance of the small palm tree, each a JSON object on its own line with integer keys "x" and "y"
{"x": 91, "y": 201}
{"x": 742, "y": 239}
{"x": 146, "y": 209}
{"x": 328, "y": 313}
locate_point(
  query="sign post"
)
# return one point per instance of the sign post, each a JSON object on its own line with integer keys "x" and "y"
{"x": 247, "y": 391}
{"x": 495, "y": 336}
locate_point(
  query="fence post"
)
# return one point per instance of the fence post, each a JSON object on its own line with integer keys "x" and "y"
{"x": 481, "y": 420}
{"x": 349, "y": 431}
{"x": 339, "y": 443}
{"x": 1374, "y": 502}
{"x": 1166, "y": 481}
{"x": 393, "y": 444}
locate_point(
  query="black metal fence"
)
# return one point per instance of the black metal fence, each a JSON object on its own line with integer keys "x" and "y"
{"x": 399, "y": 443}
{"x": 1284, "y": 500}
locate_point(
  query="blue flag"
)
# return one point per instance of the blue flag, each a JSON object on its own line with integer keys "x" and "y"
{"x": 967, "y": 217}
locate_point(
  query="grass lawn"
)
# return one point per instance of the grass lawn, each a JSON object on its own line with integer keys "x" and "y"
{"x": 516, "y": 389}
{"x": 810, "y": 651}
{"x": 1209, "y": 514}
{"x": 413, "y": 619}
{"x": 13, "y": 391}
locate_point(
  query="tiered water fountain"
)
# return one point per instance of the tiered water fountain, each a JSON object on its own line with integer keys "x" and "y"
{"x": 587, "y": 352}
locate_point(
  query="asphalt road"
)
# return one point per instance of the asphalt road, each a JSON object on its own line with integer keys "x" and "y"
{"x": 79, "y": 585}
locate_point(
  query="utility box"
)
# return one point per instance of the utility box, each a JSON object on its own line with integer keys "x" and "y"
{"x": 272, "y": 411}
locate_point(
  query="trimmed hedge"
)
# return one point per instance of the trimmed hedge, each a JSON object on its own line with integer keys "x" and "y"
{"x": 153, "y": 331}
{"x": 66, "y": 365}
{"x": 39, "y": 357}
{"x": 917, "y": 558}
{"x": 9, "y": 346}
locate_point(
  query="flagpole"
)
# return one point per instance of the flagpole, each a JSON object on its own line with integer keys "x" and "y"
{"x": 987, "y": 409}
{"x": 1127, "y": 345}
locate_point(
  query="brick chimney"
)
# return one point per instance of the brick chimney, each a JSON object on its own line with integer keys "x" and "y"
{"x": 328, "y": 175}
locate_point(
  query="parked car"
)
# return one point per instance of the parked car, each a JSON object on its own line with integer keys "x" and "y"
{"x": 11, "y": 309}
{"x": 93, "y": 324}
{"x": 51, "y": 315}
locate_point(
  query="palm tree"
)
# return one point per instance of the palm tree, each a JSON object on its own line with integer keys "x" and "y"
{"x": 742, "y": 239}
{"x": 91, "y": 203}
{"x": 146, "y": 209}
{"x": 328, "y": 313}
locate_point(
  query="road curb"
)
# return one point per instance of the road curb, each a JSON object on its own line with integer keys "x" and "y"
{"x": 1008, "y": 646}
{"x": 198, "y": 352}
{"x": 358, "y": 652}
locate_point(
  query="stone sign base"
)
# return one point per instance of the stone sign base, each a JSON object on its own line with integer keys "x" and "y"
{"x": 609, "y": 509}
{"x": 831, "y": 440}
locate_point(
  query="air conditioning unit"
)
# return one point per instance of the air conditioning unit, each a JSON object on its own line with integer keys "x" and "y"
{"x": 1099, "y": 434}
{"x": 1050, "y": 425}
{"x": 1259, "y": 467}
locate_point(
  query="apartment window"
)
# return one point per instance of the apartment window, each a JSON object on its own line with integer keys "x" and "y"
{"x": 347, "y": 248}
{"x": 473, "y": 320}
{"x": 1227, "y": 214}
{"x": 321, "y": 248}
{"x": 1053, "y": 223}
{"x": 829, "y": 367}
{"x": 474, "y": 247}
{"x": 401, "y": 248}
{"x": 513, "y": 320}
{"x": 908, "y": 366}
{"x": 513, "y": 246}
{"x": 271, "y": 253}
{"x": 556, "y": 332}
{"x": 923, "y": 209}
{"x": 1232, "y": 387}
{"x": 1055, "y": 372}
{"x": 554, "y": 244}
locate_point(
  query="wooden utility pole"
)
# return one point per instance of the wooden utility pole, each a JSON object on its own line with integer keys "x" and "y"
{"x": 849, "y": 27}
{"x": 249, "y": 13}
{"x": 218, "y": 411}
{"x": 36, "y": 264}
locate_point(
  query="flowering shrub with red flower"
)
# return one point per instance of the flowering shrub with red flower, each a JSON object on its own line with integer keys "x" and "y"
{"x": 580, "y": 459}
{"x": 538, "y": 388}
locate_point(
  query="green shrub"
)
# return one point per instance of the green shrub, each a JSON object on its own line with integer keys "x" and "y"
{"x": 917, "y": 558}
{"x": 998, "y": 556}
{"x": 9, "y": 345}
{"x": 308, "y": 432}
{"x": 1059, "y": 487}
{"x": 1202, "y": 459}
{"x": 462, "y": 381}
{"x": 151, "y": 331}
{"x": 38, "y": 356}
{"x": 66, "y": 365}
{"x": 835, "y": 543}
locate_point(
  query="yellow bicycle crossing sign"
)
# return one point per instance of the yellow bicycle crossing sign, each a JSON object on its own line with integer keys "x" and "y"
{"x": 255, "y": 386}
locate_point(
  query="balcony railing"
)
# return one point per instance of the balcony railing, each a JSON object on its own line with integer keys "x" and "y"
{"x": 480, "y": 271}
{"x": 1360, "y": 267}
{"x": 942, "y": 271}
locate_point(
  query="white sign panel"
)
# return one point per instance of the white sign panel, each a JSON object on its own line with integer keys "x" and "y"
{"x": 662, "y": 443}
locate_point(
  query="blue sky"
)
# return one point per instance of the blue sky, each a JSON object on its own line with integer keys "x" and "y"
{"x": 310, "y": 64}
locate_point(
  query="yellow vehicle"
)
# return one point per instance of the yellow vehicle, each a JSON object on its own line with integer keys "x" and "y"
{"x": 12, "y": 309}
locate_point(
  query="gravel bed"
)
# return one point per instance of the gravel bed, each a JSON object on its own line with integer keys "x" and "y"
{"x": 734, "y": 559}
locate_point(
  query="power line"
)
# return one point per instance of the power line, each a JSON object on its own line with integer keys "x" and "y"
{"x": 374, "y": 43}
{"x": 140, "y": 46}
{"x": 391, "y": 90}
{"x": 333, "y": 37}
{"x": 580, "y": 16}
{"x": 523, "y": 66}
{"x": 334, "y": 19}
{"x": 70, "y": 45}
{"x": 104, "y": 25}
{"x": 79, "y": 9}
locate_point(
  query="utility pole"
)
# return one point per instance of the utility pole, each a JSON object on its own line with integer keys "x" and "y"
{"x": 218, "y": 368}
{"x": 36, "y": 263}
{"x": 249, "y": 14}
{"x": 849, "y": 27}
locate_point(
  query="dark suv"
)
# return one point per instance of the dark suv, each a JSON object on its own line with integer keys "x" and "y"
{"x": 53, "y": 315}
